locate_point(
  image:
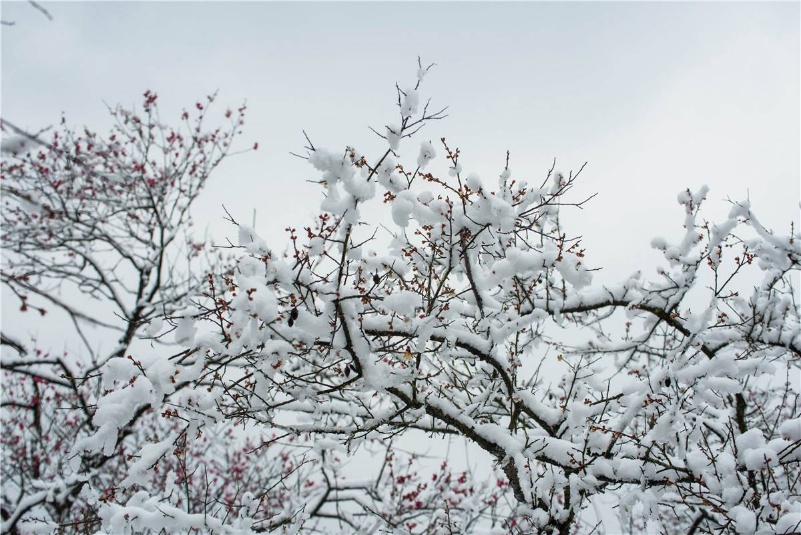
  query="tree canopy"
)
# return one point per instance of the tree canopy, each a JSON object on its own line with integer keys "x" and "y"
{"x": 467, "y": 310}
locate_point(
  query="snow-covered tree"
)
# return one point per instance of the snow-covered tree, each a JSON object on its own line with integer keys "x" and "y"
{"x": 471, "y": 311}
{"x": 97, "y": 240}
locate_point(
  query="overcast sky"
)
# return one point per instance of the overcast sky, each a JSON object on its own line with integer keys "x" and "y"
{"x": 655, "y": 97}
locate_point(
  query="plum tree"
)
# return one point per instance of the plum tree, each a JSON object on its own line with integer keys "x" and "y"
{"x": 470, "y": 312}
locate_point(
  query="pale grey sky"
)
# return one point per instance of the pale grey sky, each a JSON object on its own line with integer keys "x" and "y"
{"x": 654, "y": 96}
